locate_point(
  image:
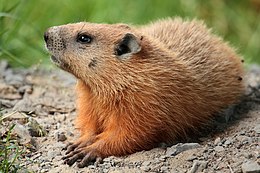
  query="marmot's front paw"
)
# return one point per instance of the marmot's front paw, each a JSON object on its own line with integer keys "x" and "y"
{"x": 80, "y": 151}
{"x": 84, "y": 155}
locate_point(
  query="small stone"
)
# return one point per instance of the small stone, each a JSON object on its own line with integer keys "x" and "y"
{"x": 202, "y": 166}
{"x": 9, "y": 92}
{"x": 15, "y": 79}
{"x": 107, "y": 165}
{"x": 164, "y": 168}
{"x": 257, "y": 129}
{"x": 44, "y": 139}
{"x": 59, "y": 145}
{"x": 244, "y": 139}
{"x": 91, "y": 166}
{"x": 219, "y": 149}
{"x": 117, "y": 160}
{"x": 156, "y": 160}
{"x": 25, "y": 89}
{"x": 146, "y": 163}
{"x": 250, "y": 167}
{"x": 242, "y": 132}
{"x": 108, "y": 159}
{"x": 191, "y": 158}
{"x": 58, "y": 126}
{"x": 217, "y": 141}
{"x": 145, "y": 168}
{"x": 36, "y": 156}
{"x": 47, "y": 167}
{"x": 34, "y": 143}
{"x": 221, "y": 165}
{"x": 178, "y": 148}
{"x": 61, "y": 137}
{"x": 23, "y": 133}
{"x": 198, "y": 166}
{"x": 51, "y": 154}
{"x": 248, "y": 155}
{"x": 44, "y": 170}
{"x": 194, "y": 167}
{"x": 162, "y": 158}
{"x": 25, "y": 105}
{"x": 105, "y": 170}
{"x": 227, "y": 142}
{"x": 42, "y": 164}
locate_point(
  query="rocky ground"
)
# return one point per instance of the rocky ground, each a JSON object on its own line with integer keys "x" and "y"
{"x": 41, "y": 104}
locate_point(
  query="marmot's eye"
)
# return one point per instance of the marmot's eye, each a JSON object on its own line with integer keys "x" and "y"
{"x": 83, "y": 38}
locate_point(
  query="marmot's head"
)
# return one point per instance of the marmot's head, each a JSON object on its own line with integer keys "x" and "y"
{"x": 94, "y": 52}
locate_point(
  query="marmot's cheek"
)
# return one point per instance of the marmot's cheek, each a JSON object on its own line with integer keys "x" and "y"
{"x": 92, "y": 64}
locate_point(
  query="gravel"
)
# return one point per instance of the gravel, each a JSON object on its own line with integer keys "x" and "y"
{"x": 42, "y": 105}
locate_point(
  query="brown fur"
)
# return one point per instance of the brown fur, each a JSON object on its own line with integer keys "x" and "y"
{"x": 182, "y": 75}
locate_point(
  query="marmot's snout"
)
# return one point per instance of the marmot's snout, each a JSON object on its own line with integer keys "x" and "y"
{"x": 53, "y": 40}
{"x": 55, "y": 44}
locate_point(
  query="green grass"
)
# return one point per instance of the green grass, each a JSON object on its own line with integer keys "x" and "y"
{"x": 10, "y": 151}
{"x": 10, "y": 154}
{"x": 23, "y": 22}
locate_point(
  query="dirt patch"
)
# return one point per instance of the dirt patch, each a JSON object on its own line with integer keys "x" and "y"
{"x": 42, "y": 105}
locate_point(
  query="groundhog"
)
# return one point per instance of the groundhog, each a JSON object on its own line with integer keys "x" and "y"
{"x": 141, "y": 86}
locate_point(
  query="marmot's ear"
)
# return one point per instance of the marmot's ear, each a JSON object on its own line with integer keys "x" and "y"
{"x": 122, "y": 25}
{"x": 128, "y": 45}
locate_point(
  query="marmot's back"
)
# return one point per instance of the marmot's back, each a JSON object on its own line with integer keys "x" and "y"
{"x": 213, "y": 63}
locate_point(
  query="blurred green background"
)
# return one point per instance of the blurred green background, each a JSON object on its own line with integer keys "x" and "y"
{"x": 23, "y": 22}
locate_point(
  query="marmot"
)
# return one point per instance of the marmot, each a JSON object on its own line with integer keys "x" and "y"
{"x": 140, "y": 86}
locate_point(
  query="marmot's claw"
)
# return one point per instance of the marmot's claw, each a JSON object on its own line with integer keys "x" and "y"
{"x": 71, "y": 147}
{"x": 73, "y": 157}
{"x": 71, "y": 154}
{"x": 66, "y": 147}
{"x": 90, "y": 157}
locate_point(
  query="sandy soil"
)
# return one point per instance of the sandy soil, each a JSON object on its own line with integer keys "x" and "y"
{"x": 42, "y": 105}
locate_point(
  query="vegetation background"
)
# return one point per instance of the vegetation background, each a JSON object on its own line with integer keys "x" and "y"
{"x": 23, "y": 22}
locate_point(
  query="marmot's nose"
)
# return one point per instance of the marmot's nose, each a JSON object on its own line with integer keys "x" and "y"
{"x": 46, "y": 36}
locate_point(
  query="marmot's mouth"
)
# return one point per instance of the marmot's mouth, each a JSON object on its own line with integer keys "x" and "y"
{"x": 55, "y": 60}
{"x": 59, "y": 63}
